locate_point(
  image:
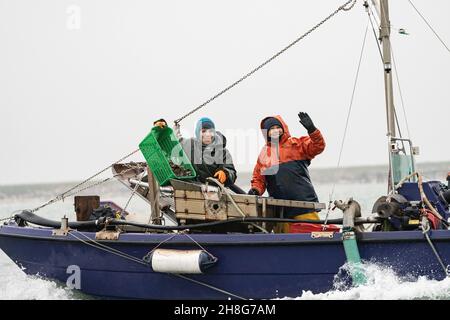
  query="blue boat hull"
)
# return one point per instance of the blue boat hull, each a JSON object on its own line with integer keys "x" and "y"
{"x": 251, "y": 266}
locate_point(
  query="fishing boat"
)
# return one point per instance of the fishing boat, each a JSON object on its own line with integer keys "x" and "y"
{"x": 206, "y": 241}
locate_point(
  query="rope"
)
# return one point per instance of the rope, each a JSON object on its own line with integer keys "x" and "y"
{"x": 158, "y": 246}
{"x": 113, "y": 251}
{"x": 126, "y": 256}
{"x": 210, "y": 287}
{"x": 427, "y": 228}
{"x": 200, "y": 246}
{"x": 423, "y": 196}
{"x": 348, "y": 119}
{"x": 429, "y": 26}
{"x": 347, "y": 6}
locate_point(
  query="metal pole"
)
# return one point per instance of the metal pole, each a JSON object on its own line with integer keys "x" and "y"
{"x": 385, "y": 32}
{"x": 153, "y": 196}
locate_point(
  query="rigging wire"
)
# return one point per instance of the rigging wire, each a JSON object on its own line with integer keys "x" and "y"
{"x": 347, "y": 6}
{"x": 397, "y": 80}
{"x": 370, "y": 13}
{"x": 429, "y": 25}
{"x": 348, "y": 117}
{"x": 400, "y": 94}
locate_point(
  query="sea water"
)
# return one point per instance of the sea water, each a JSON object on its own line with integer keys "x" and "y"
{"x": 383, "y": 283}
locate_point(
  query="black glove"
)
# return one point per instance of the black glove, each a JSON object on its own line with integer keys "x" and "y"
{"x": 253, "y": 192}
{"x": 306, "y": 121}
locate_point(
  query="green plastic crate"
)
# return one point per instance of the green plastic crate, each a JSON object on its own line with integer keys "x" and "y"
{"x": 159, "y": 147}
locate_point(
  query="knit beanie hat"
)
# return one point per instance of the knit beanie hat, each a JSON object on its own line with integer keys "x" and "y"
{"x": 203, "y": 123}
{"x": 270, "y": 122}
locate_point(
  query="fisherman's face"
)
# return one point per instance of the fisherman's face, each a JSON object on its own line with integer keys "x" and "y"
{"x": 275, "y": 132}
{"x": 207, "y": 136}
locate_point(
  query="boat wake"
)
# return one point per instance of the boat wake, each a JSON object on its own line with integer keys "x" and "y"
{"x": 16, "y": 285}
{"x": 383, "y": 284}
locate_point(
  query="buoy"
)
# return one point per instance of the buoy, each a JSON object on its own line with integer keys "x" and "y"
{"x": 180, "y": 261}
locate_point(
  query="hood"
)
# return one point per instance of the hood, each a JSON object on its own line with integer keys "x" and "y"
{"x": 286, "y": 134}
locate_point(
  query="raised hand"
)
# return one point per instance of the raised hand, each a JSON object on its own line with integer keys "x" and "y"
{"x": 306, "y": 121}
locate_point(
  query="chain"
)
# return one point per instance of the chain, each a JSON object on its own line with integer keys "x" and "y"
{"x": 344, "y": 7}
{"x": 71, "y": 191}
{"x": 99, "y": 173}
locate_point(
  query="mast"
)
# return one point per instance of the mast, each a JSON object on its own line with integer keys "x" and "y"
{"x": 385, "y": 33}
{"x": 401, "y": 164}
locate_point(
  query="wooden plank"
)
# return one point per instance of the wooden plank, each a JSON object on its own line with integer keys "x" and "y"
{"x": 198, "y": 207}
{"x": 293, "y": 204}
{"x": 244, "y": 199}
{"x": 250, "y": 210}
{"x": 191, "y": 216}
{"x": 189, "y": 194}
{"x": 190, "y": 206}
{"x": 247, "y": 204}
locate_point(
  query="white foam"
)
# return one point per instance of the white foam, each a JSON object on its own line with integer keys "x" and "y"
{"x": 16, "y": 285}
{"x": 384, "y": 284}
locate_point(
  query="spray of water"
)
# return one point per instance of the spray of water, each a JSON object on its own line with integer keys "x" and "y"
{"x": 16, "y": 285}
{"x": 383, "y": 284}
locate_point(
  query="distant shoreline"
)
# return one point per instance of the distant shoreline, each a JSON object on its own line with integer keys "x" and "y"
{"x": 362, "y": 174}
{"x": 367, "y": 174}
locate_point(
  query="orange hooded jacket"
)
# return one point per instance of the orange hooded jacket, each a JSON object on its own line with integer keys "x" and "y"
{"x": 282, "y": 167}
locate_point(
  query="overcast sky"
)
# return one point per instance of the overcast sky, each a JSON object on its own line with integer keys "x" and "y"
{"x": 82, "y": 81}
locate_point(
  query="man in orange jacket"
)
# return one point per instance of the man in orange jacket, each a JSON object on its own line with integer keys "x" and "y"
{"x": 282, "y": 166}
